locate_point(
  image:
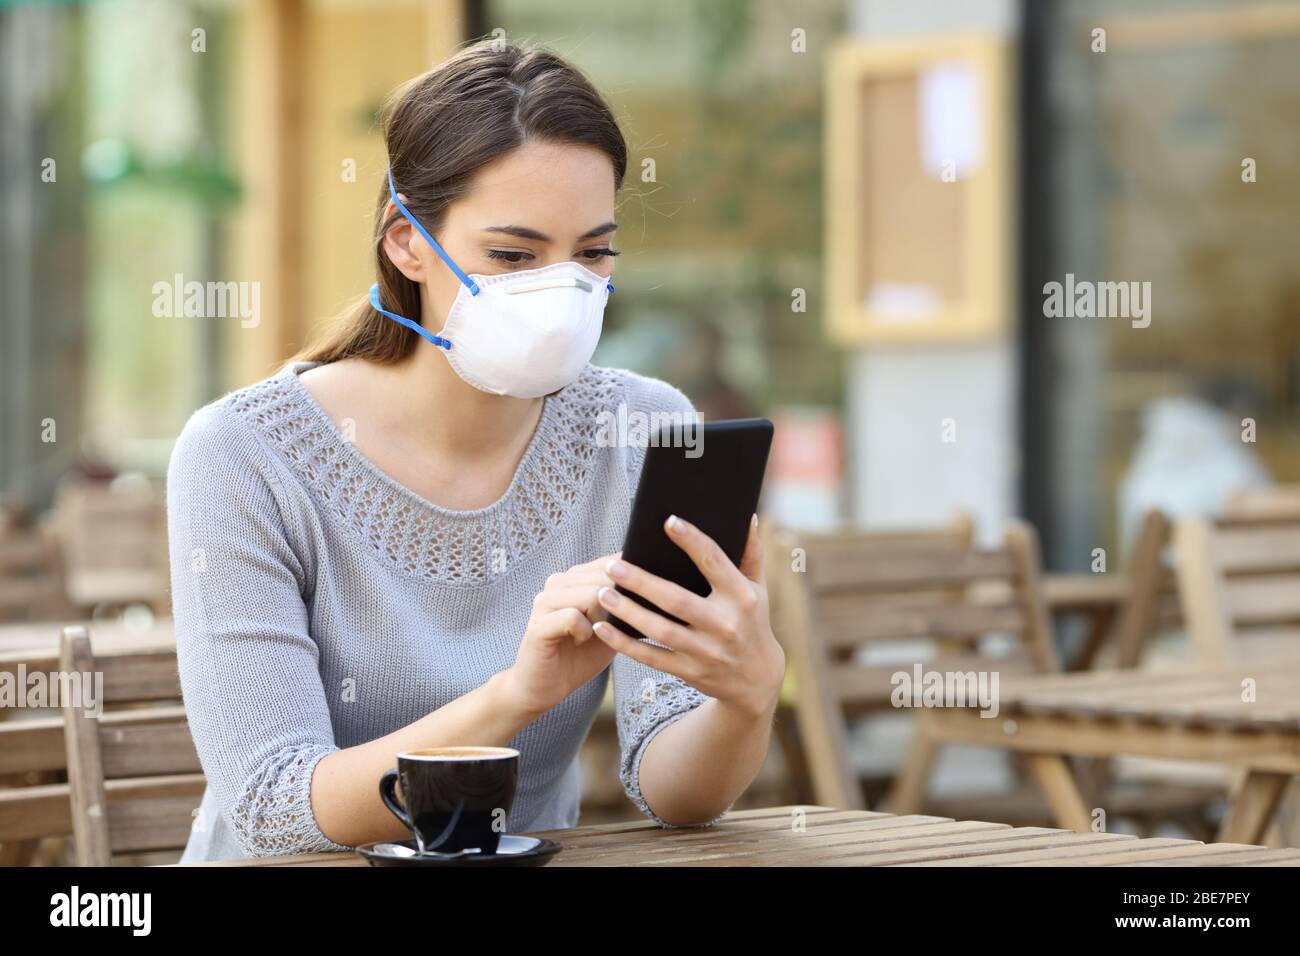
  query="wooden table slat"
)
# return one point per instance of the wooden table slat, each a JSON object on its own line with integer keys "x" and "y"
{"x": 1062, "y": 852}
{"x": 899, "y": 853}
{"x": 1286, "y": 856}
{"x": 1147, "y": 855}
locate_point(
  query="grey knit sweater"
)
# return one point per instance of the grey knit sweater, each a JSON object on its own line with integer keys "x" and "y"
{"x": 320, "y": 604}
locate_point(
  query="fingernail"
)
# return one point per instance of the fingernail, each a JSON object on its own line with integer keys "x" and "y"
{"x": 616, "y": 570}
{"x": 674, "y": 523}
{"x": 600, "y": 627}
{"x": 608, "y": 597}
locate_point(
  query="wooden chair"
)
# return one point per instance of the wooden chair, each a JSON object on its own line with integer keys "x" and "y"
{"x": 956, "y": 613}
{"x": 1240, "y": 585}
{"x": 113, "y": 541}
{"x": 1154, "y": 604}
{"x": 782, "y": 549}
{"x": 1240, "y": 582}
{"x": 840, "y": 595}
{"x": 1155, "y": 601}
{"x": 31, "y": 578}
{"x": 133, "y": 778}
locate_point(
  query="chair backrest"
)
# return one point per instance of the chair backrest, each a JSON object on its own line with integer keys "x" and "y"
{"x": 779, "y": 542}
{"x": 1155, "y": 600}
{"x": 133, "y": 776}
{"x": 113, "y": 542}
{"x": 31, "y": 579}
{"x": 1239, "y": 578}
{"x": 937, "y": 600}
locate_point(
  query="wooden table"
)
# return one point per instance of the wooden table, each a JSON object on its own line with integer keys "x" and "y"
{"x": 822, "y": 836}
{"x": 1194, "y": 714}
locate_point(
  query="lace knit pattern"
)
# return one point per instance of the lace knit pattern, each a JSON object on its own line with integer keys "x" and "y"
{"x": 270, "y": 816}
{"x": 300, "y": 570}
{"x": 640, "y": 718}
{"x": 411, "y": 534}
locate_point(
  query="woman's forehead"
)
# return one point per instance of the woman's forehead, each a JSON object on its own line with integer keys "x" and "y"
{"x": 542, "y": 180}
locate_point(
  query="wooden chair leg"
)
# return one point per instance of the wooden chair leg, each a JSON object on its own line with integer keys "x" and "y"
{"x": 1056, "y": 779}
{"x": 908, "y": 793}
{"x": 1253, "y": 807}
{"x": 1097, "y": 778}
{"x": 1097, "y": 781}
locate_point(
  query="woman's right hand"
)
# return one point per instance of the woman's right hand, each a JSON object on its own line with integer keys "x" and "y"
{"x": 560, "y": 652}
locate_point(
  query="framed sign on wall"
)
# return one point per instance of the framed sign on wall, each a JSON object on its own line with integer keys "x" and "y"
{"x": 919, "y": 195}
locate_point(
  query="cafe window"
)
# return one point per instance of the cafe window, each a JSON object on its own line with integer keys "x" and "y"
{"x": 1172, "y": 168}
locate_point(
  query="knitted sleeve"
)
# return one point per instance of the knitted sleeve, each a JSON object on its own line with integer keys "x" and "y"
{"x": 248, "y": 666}
{"x": 648, "y": 700}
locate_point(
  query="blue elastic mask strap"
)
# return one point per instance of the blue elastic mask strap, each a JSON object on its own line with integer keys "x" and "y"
{"x": 413, "y": 326}
{"x": 469, "y": 283}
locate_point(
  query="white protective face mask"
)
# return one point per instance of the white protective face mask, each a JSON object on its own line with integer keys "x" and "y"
{"x": 524, "y": 334}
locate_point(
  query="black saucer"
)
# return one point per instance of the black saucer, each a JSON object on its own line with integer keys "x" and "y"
{"x": 512, "y": 851}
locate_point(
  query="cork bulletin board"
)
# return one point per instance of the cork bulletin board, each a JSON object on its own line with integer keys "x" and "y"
{"x": 919, "y": 190}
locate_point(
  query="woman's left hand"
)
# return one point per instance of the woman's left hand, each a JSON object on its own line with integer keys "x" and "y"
{"x": 726, "y": 649}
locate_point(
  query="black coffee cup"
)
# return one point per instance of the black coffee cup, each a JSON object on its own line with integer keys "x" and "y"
{"x": 454, "y": 798}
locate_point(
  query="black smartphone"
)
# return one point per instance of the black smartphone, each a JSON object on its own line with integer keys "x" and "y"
{"x": 710, "y": 475}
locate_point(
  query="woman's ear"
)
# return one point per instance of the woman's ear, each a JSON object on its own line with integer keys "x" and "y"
{"x": 399, "y": 244}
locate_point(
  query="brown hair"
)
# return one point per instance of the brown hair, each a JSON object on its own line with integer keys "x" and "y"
{"x": 439, "y": 129}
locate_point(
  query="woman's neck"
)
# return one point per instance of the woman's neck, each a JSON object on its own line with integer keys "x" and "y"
{"x": 425, "y": 399}
{"x": 416, "y": 420}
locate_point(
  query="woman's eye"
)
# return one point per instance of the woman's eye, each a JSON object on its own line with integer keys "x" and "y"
{"x": 594, "y": 254}
{"x": 509, "y": 255}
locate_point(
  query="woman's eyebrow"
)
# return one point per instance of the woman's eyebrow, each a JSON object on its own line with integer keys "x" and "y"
{"x": 602, "y": 230}
{"x": 523, "y": 232}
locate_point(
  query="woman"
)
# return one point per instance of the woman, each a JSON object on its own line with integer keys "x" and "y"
{"x": 407, "y": 537}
